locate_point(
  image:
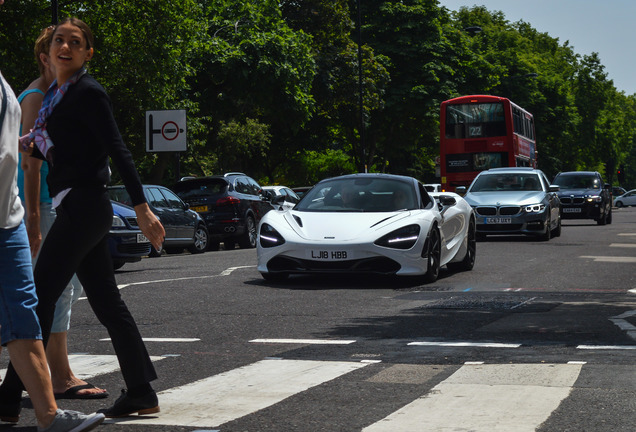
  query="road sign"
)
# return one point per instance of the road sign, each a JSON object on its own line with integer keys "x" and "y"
{"x": 166, "y": 131}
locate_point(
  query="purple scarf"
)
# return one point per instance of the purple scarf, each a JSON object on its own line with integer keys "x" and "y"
{"x": 52, "y": 97}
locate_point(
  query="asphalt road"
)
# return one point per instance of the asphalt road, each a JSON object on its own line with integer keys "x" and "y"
{"x": 539, "y": 336}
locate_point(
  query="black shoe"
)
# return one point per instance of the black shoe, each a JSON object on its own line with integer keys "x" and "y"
{"x": 10, "y": 413}
{"x": 126, "y": 405}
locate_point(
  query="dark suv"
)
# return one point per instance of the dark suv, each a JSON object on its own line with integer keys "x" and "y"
{"x": 584, "y": 196}
{"x": 231, "y": 206}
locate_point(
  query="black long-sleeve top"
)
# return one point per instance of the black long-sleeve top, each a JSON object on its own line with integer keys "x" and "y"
{"x": 85, "y": 134}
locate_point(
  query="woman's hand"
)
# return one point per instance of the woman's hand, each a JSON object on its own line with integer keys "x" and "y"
{"x": 26, "y": 145}
{"x": 150, "y": 225}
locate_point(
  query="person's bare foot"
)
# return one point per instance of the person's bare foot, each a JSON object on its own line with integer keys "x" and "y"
{"x": 79, "y": 390}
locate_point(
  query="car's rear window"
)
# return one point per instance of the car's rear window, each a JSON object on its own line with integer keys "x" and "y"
{"x": 201, "y": 187}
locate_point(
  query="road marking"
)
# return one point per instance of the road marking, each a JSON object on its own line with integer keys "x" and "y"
{"x": 86, "y": 366}
{"x": 616, "y": 259}
{"x": 466, "y": 344}
{"x": 305, "y": 341}
{"x": 627, "y": 234}
{"x": 219, "y": 399}
{"x": 487, "y": 398}
{"x": 163, "y": 339}
{"x": 625, "y": 325}
{"x": 623, "y": 245}
{"x": 606, "y": 347}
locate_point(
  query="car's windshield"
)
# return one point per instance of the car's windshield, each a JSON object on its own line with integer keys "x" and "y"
{"x": 506, "y": 182}
{"x": 200, "y": 187}
{"x": 362, "y": 194}
{"x": 577, "y": 182}
{"x": 120, "y": 195}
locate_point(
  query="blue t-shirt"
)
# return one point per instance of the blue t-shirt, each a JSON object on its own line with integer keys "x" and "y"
{"x": 44, "y": 170}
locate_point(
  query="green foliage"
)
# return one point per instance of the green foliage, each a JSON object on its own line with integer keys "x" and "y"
{"x": 271, "y": 87}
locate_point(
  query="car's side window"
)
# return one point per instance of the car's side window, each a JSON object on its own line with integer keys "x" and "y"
{"x": 241, "y": 186}
{"x": 172, "y": 199}
{"x": 156, "y": 199}
{"x": 253, "y": 186}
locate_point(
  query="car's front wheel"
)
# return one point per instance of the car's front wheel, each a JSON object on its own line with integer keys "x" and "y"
{"x": 619, "y": 204}
{"x": 433, "y": 255}
{"x": 468, "y": 262}
{"x": 556, "y": 232}
{"x": 201, "y": 238}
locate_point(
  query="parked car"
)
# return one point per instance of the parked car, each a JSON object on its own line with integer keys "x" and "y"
{"x": 617, "y": 191}
{"x": 284, "y": 196}
{"x": 231, "y": 205}
{"x": 368, "y": 224}
{"x": 184, "y": 227}
{"x": 584, "y": 195}
{"x": 301, "y": 190}
{"x": 125, "y": 240}
{"x": 625, "y": 200}
{"x": 515, "y": 200}
{"x": 433, "y": 187}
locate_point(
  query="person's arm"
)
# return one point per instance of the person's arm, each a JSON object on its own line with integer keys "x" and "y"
{"x": 31, "y": 166}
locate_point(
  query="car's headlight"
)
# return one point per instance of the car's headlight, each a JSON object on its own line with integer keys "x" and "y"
{"x": 403, "y": 238}
{"x": 118, "y": 222}
{"x": 594, "y": 198}
{"x": 534, "y": 208}
{"x": 270, "y": 237}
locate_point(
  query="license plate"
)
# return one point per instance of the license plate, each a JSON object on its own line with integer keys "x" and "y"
{"x": 571, "y": 210}
{"x": 200, "y": 209}
{"x": 142, "y": 239}
{"x": 329, "y": 255}
{"x": 497, "y": 220}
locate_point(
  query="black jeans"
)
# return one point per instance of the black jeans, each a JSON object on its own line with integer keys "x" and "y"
{"x": 78, "y": 243}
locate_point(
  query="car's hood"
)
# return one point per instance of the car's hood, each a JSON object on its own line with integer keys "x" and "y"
{"x": 320, "y": 226}
{"x": 122, "y": 210}
{"x": 504, "y": 198}
{"x": 578, "y": 192}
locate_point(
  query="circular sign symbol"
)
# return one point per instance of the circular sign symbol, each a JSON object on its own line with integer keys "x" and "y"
{"x": 170, "y": 131}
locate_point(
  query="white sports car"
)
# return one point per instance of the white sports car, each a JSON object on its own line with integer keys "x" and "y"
{"x": 368, "y": 223}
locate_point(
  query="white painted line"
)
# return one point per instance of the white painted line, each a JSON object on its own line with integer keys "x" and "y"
{"x": 225, "y": 272}
{"x": 163, "y": 339}
{"x": 219, "y": 399}
{"x": 87, "y": 366}
{"x": 305, "y": 341}
{"x": 487, "y": 398}
{"x": 623, "y": 245}
{"x": 474, "y": 363}
{"x": 574, "y": 362}
{"x": 606, "y": 347}
{"x": 615, "y": 259}
{"x": 633, "y": 291}
{"x": 627, "y": 234}
{"x": 466, "y": 344}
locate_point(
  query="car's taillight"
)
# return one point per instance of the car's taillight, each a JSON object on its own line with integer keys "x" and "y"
{"x": 229, "y": 200}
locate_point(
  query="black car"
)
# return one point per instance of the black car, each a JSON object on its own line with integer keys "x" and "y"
{"x": 231, "y": 205}
{"x": 125, "y": 240}
{"x": 584, "y": 195}
{"x": 184, "y": 227}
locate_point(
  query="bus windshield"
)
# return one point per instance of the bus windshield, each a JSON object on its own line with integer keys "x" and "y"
{"x": 475, "y": 120}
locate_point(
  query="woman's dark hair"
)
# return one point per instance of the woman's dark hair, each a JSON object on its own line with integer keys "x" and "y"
{"x": 86, "y": 30}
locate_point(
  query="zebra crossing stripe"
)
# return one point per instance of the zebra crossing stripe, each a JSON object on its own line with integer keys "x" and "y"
{"x": 86, "y": 366}
{"x": 219, "y": 399}
{"x": 487, "y": 398}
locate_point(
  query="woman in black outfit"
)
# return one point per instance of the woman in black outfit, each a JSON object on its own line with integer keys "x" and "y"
{"x": 76, "y": 132}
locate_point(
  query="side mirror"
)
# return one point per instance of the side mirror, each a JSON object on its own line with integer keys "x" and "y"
{"x": 460, "y": 190}
{"x": 554, "y": 188}
{"x": 447, "y": 200}
{"x": 278, "y": 199}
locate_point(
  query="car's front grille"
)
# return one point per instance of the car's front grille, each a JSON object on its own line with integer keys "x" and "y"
{"x": 132, "y": 221}
{"x": 134, "y": 248}
{"x": 500, "y": 227}
{"x": 509, "y": 211}
{"x": 486, "y": 211}
{"x": 378, "y": 265}
{"x": 494, "y": 211}
{"x": 572, "y": 200}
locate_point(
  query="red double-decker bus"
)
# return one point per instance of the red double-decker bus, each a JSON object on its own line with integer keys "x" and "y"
{"x": 480, "y": 132}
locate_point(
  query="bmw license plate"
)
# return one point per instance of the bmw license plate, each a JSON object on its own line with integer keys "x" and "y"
{"x": 329, "y": 255}
{"x": 497, "y": 220}
{"x": 571, "y": 210}
{"x": 142, "y": 239}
